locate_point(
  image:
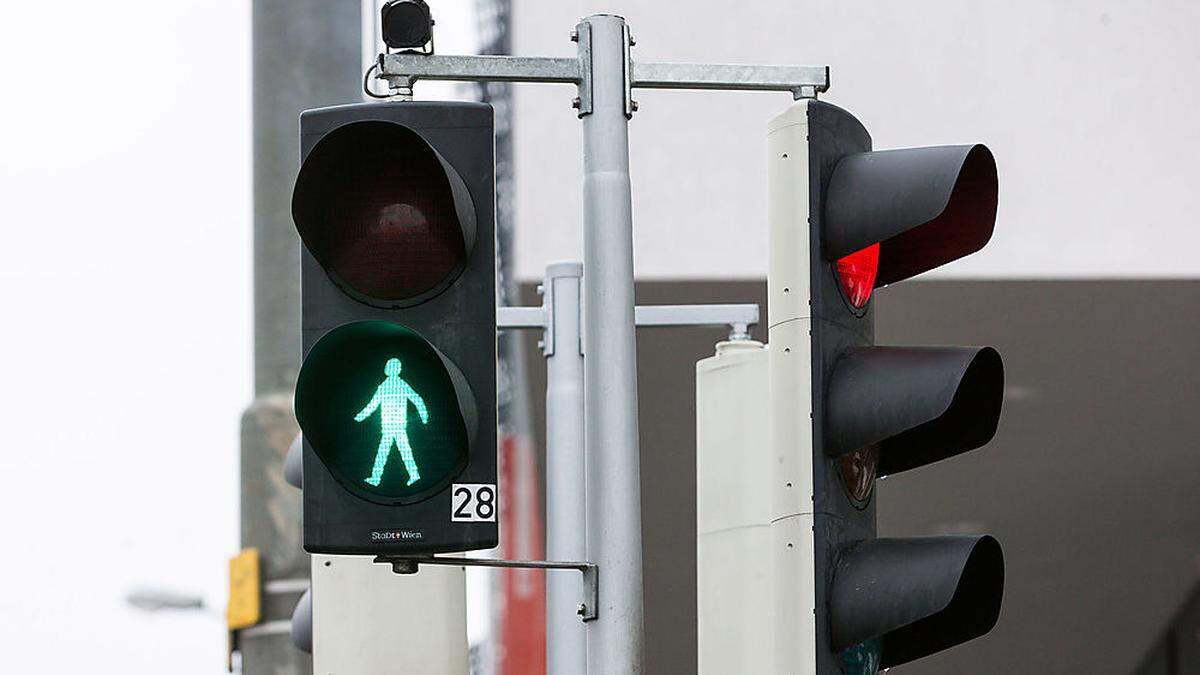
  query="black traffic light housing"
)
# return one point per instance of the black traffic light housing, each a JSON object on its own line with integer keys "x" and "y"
{"x": 882, "y": 410}
{"x": 406, "y": 24}
{"x": 395, "y": 204}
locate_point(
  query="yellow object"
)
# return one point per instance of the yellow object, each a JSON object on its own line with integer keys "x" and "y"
{"x": 245, "y": 590}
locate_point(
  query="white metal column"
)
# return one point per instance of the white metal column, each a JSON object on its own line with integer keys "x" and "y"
{"x": 566, "y": 533}
{"x": 368, "y": 621}
{"x": 734, "y": 465}
{"x": 790, "y": 385}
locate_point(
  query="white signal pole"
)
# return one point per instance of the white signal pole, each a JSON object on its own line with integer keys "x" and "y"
{"x": 367, "y": 620}
{"x": 793, "y": 578}
{"x": 733, "y": 511}
{"x": 754, "y": 516}
{"x": 566, "y": 518}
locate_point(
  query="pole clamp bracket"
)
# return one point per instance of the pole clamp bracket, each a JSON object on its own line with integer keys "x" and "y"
{"x": 588, "y": 609}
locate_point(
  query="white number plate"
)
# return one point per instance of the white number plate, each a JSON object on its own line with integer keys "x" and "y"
{"x": 473, "y": 503}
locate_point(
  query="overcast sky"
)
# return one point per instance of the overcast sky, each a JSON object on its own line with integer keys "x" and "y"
{"x": 125, "y": 181}
{"x": 1088, "y": 106}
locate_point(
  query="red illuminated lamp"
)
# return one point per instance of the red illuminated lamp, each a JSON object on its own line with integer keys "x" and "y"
{"x": 856, "y": 274}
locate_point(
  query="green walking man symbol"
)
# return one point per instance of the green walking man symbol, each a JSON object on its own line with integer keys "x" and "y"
{"x": 391, "y": 398}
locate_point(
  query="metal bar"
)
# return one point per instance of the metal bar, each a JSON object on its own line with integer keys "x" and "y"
{"x": 419, "y": 560}
{"x": 520, "y": 317}
{"x": 644, "y": 315}
{"x": 566, "y": 473}
{"x": 413, "y": 67}
{"x": 402, "y": 70}
{"x": 583, "y": 35}
{"x": 729, "y": 76}
{"x": 586, "y": 610}
{"x": 614, "y": 501}
{"x": 695, "y": 315}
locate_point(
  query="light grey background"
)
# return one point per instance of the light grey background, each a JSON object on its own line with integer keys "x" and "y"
{"x": 1089, "y": 108}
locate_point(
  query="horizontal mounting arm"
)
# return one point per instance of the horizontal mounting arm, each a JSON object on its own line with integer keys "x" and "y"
{"x": 409, "y": 68}
{"x": 695, "y": 315}
{"x": 739, "y": 317}
{"x": 588, "y": 611}
{"x": 730, "y": 76}
{"x": 521, "y": 317}
{"x": 402, "y": 70}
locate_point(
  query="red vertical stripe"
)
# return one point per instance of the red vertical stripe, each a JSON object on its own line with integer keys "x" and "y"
{"x": 522, "y": 611}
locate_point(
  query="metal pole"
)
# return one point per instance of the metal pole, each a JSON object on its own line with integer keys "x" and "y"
{"x": 306, "y": 54}
{"x": 566, "y": 537}
{"x": 614, "y": 501}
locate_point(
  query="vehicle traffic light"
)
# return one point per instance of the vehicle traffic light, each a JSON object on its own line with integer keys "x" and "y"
{"x": 396, "y": 397}
{"x": 875, "y": 218}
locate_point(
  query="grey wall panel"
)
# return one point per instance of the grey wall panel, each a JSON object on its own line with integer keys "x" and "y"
{"x": 1092, "y": 483}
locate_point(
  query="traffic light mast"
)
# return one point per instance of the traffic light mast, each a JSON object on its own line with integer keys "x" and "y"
{"x": 797, "y": 516}
{"x": 845, "y": 220}
{"x": 397, "y": 395}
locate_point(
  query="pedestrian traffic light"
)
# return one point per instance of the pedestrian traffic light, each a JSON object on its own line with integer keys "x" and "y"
{"x": 396, "y": 396}
{"x": 845, "y": 221}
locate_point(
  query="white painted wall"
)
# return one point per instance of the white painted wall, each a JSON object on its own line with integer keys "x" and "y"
{"x": 1089, "y": 107}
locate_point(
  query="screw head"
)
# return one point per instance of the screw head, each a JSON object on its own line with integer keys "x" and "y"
{"x": 633, "y": 105}
{"x": 581, "y": 609}
{"x": 574, "y": 35}
{"x": 575, "y": 103}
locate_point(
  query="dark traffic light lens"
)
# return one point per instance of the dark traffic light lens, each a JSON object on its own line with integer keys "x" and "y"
{"x": 859, "y": 469}
{"x": 388, "y": 220}
{"x": 387, "y": 414}
{"x": 863, "y": 658}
